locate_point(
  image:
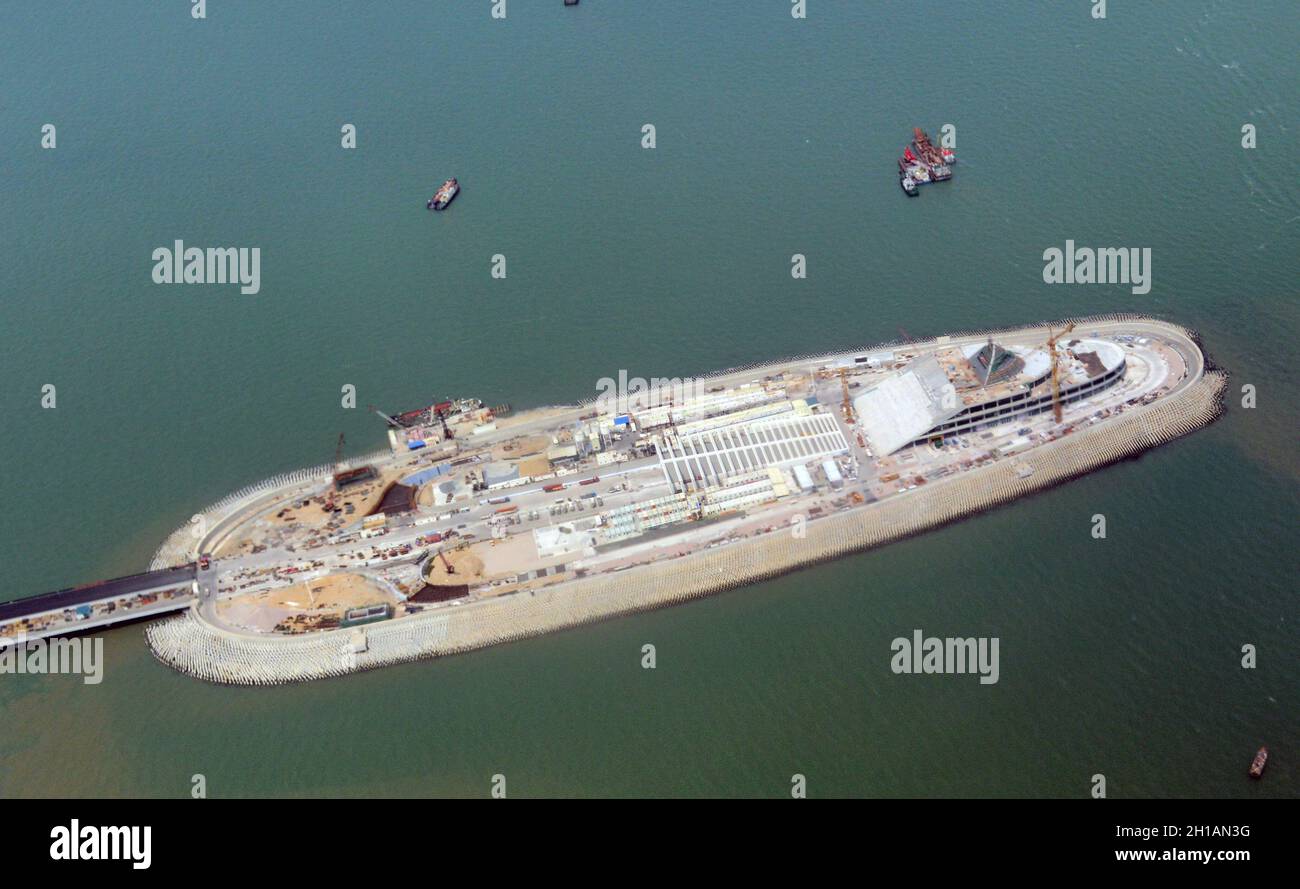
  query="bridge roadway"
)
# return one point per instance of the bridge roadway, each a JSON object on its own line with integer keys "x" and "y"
{"x": 128, "y": 588}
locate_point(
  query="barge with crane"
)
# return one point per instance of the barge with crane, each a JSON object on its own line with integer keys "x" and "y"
{"x": 923, "y": 162}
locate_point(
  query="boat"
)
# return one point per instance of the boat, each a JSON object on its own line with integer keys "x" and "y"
{"x": 444, "y": 195}
{"x": 925, "y": 149}
{"x": 1258, "y": 763}
{"x": 905, "y": 180}
{"x": 924, "y": 162}
{"x": 432, "y": 414}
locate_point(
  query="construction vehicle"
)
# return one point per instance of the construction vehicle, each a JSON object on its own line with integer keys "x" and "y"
{"x": 446, "y": 563}
{"x": 1056, "y": 376}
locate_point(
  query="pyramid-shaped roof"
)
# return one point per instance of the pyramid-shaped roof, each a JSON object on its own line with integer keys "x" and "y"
{"x": 994, "y": 363}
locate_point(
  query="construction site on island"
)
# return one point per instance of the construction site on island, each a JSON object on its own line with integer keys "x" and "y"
{"x": 477, "y": 513}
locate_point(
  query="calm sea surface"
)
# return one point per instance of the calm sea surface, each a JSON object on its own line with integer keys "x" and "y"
{"x": 774, "y": 137}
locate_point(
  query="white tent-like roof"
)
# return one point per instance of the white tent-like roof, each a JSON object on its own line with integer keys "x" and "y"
{"x": 908, "y": 404}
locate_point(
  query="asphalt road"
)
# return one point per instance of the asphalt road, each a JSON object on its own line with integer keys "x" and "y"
{"x": 95, "y": 592}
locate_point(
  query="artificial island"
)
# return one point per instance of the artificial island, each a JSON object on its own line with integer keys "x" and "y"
{"x": 479, "y": 525}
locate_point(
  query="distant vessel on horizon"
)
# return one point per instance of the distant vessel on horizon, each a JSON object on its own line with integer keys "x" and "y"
{"x": 444, "y": 195}
{"x": 1257, "y": 765}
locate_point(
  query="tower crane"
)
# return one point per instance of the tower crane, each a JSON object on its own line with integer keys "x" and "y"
{"x": 1056, "y": 377}
{"x": 446, "y": 430}
{"x": 848, "y": 402}
{"x": 338, "y": 458}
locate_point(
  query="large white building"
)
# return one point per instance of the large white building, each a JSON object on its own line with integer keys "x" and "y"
{"x": 956, "y": 390}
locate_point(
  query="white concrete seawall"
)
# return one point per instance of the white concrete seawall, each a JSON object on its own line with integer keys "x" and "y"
{"x": 196, "y": 647}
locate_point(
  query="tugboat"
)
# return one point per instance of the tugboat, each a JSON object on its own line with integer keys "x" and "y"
{"x": 1257, "y": 765}
{"x": 948, "y": 157}
{"x": 443, "y": 196}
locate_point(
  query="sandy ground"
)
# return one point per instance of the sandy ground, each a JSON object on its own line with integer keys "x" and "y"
{"x": 425, "y": 497}
{"x": 532, "y": 416}
{"x": 527, "y": 447}
{"x": 514, "y": 554}
{"x": 333, "y": 594}
{"x": 363, "y": 497}
{"x": 486, "y": 561}
{"x": 534, "y": 466}
{"x": 302, "y": 519}
{"x": 467, "y": 562}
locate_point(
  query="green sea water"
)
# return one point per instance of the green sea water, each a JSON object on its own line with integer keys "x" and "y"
{"x": 774, "y": 136}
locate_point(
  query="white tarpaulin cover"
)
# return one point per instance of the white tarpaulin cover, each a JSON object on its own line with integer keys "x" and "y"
{"x": 905, "y": 406}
